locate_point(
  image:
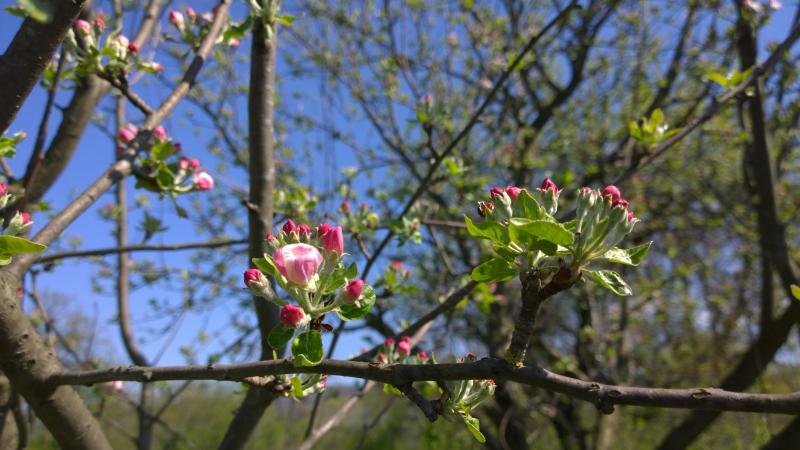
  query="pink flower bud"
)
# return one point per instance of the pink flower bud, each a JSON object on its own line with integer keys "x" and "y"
{"x": 323, "y": 229}
{"x": 397, "y": 265}
{"x": 270, "y": 237}
{"x": 100, "y": 23}
{"x": 252, "y": 276}
{"x": 292, "y": 316}
{"x": 83, "y": 27}
{"x": 26, "y": 218}
{"x": 381, "y": 357}
{"x": 496, "y": 192}
{"x": 122, "y": 40}
{"x": 586, "y": 189}
{"x": 323, "y": 385}
{"x": 158, "y": 68}
{"x": 304, "y": 230}
{"x": 189, "y": 164}
{"x": 203, "y": 181}
{"x": 354, "y": 289}
{"x": 404, "y": 347}
{"x": 612, "y": 191}
{"x": 548, "y": 184}
{"x": 389, "y": 342}
{"x": 289, "y": 227}
{"x": 190, "y": 12}
{"x": 423, "y": 356}
{"x": 297, "y": 262}
{"x": 630, "y": 216}
{"x": 346, "y": 206}
{"x": 233, "y": 42}
{"x": 133, "y": 48}
{"x": 128, "y": 133}
{"x": 471, "y": 356}
{"x": 333, "y": 241}
{"x": 176, "y": 18}
{"x": 3, "y": 189}
{"x": 484, "y": 208}
{"x": 160, "y": 133}
{"x": 513, "y": 192}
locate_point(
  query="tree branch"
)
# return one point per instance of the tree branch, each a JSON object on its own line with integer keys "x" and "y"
{"x": 48, "y": 258}
{"x": 603, "y": 395}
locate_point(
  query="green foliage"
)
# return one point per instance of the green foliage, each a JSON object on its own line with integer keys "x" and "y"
{"x": 13, "y": 245}
{"x": 307, "y": 348}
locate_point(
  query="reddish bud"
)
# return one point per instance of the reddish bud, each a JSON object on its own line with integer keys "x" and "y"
{"x": 289, "y": 227}
{"x": 291, "y": 315}
{"x": 3, "y": 189}
{"x": 471, "y": 356}
{"x": 624, "y": 203}
{"x": 304, "y": 230}
{"x": 176, "y": 18}
{"x": 160, "y": 133}
{"x": 100, "y": 23}
{"x": 496, "y": 192}
{"x": 612, "y": 191}
{"x": 513, "y": 192}
{"x": 83, "y": 27}
{"x": 381, "y": 357}
{"x": 404, "y": 347}
{"x": 396, "y": 265}
{"x": 323, "y": 229}
{"x": 190, "y": 12}
{"x": 389, "y": 342}
{"x": 133, "y": 48}
{"x": 333, "y": 241}
{"x": 423, "y": 356}
{"x": 548, "y": 184}
{"x": 354, "y": 289}
{"x": 26, "y": 218}
{"x": 270, "y": 237}
{"x": 252, "y": 276}
{"x": 405, "y": 339}
{"x": 203, "y": 181}
{"x": 346, "y": 206}
{"x": 630, "y": 216}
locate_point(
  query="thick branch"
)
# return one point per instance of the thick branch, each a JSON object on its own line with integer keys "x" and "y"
{"x": 602, "y": 395}
{"x": 29, "y": 53}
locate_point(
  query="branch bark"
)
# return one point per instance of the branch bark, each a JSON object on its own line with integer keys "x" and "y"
{"x": 260, "y": 111}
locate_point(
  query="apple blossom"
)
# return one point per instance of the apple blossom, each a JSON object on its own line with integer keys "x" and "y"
{"x": 292, "y": 316}
{"x": 298, "y": 262}
{"x": 203, "y": 181}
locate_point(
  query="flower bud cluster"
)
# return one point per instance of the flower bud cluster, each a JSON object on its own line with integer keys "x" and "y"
{"x": 307, "y": 264}
{"x": 112, "y": 55}
{"x": 460, "y": 397}
{"x": 400, "y": 353}
{"x": 19, "y": 224}
{"x": 193, "y": 27}
{"x": 603, "y": 219}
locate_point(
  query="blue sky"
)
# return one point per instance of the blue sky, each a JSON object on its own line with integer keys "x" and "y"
{"x": 95, "y": 154}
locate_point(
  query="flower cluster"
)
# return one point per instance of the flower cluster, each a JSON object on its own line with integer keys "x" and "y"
{"x": 112, "y": 55}
{"x": 163, "y": 169}
{"x": 307, "y": 264}
{"x": 400, "y": 353}
{"x": 193, "y": 27}
{"x": 527, "y": 239}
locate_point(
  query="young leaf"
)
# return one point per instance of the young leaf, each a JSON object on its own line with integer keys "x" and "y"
{"x": 718, "y": 78}
{"x": 526, "y": 206}
{"x": 543, "y": 229}
{"x": 13, "y": 245}
{"x": 610, "y": 280}
{"x": 630, "y": 257}
{"x": 307, "y": 348}
{"x": 490, "y": 230}
{"x": 350, "y": 311}
{"x": 495, "y": 269}
{"x": 796, "y": 291}
{"x": 474, "y": 427}
{"x": 267, "y": 266}
{"x": 279, "y": 336}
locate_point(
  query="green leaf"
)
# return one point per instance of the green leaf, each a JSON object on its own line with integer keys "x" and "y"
{"x": 162, "y": 150}
{"x": 267, "y": 266}
{"x": 543, "y": 229}
{"x": 610, "y": 280}
{"x": 279, "y": 336}
{"x": 13, "y": 245}
{"x": 352, "y": 271}
{"x": 307, "y": 348}
{"x": 656, "y": 118}
{"x": 5, "y": 260}
{"x": 350, "y": 311}
{"x": 165, "y": 178}
{"x": 286, "y": 20}
{"x": 795, "y": 291}
{"x": 495, "y": 269}
{"x": 297, "y": 387}
{"x": 389, "y": 389}
{"x": 718, "y": 78}
{"x": 474, "y": 427}
{"x": 489, "y": 230}
{"x": 635, "y": 131}
{"x": 526, "y": 206}
{"x": 38, "y": 10}
{"x": 630, "y": 257}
